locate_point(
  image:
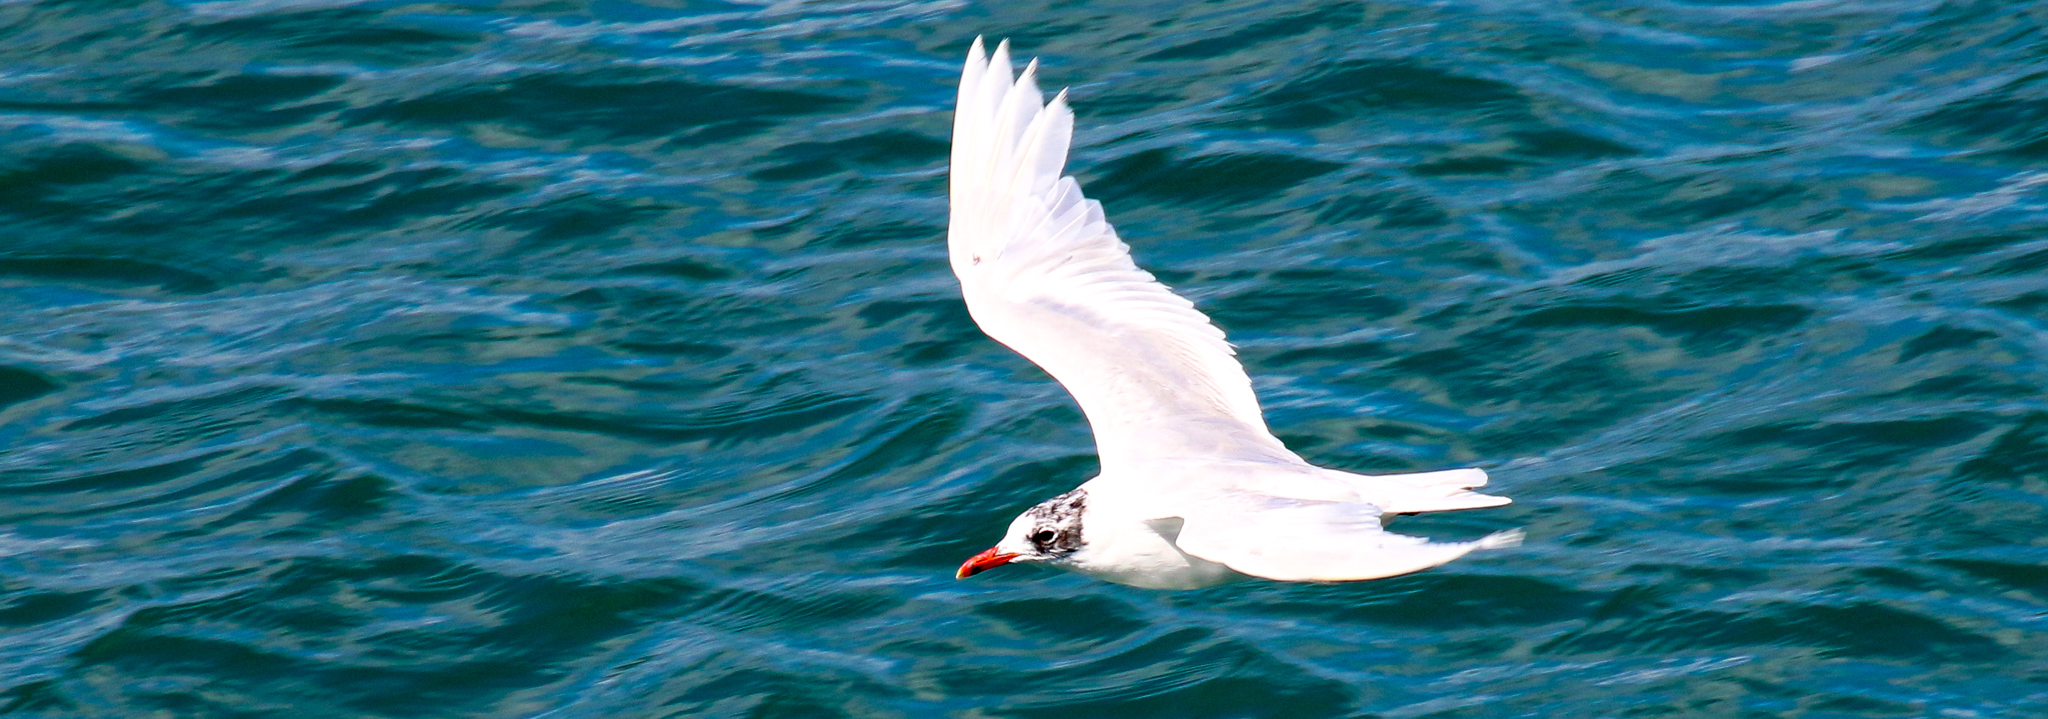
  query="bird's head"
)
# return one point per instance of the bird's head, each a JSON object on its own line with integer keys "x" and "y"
{"x": 1048, "y": 532}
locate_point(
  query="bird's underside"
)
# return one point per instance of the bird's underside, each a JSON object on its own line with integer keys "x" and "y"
{"x": 1191, "y": 479}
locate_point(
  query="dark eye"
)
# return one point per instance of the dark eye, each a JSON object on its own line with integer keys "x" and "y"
{"x": 1042, "y": 536}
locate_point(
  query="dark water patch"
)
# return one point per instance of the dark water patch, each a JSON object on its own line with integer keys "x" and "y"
{"x": 1223, "y": 696}
{"x": 52, "y": 182}
{"x": 1941, "y": 339}
{"x": 656, "y": 345}
{"x": 243, "y": 101}
{"x": 1076, "y": 618}
{"x": 1831, "y": 453}
{"x": 39, "y": 696}
{"x": 657, "y": 384}
{"x": 887, "y": 149}
{"x": 1320, "y": 16}
{"x": 670, "y": 315}
{"x": 345, "y": 631}
{"x": 870, "y": 234}
{"x": 1184, "y": 673}
{"x": 378, "y": 200}
{"x": 1579, "y": 389}
{"x": 1701, "y": 198}
{"x": 947, "y": 314}
{"x": 771, "y": 694}
{"x": 1852, "y": 705}
{"x": 1335, "y": 92}
{"x": 1397, "y": 431}
{"x": 1968, "y": 384}
{"x": 1447, "y": 602}
{"x": 1907, "y": 579}
{"x": 908, "y": 437}
{"x": 579, "y": 216}
{"x": 2029, "y": 578}
{"x": 911, "y": 435}
{"x": 374, "y": 412}
{"x": 1471, "y": 165}
{"x": 2026, "y": 264}
{"x": 1297, "y": 296}
{"x": 1567, "y": 145}
{"x": 2009, "y": 118}
{"x": 344, "y": 34}
{"x": 926, "y": 354}
{"x": 1615, "y": 278}
{"x": 1346, "y": 352}
{"x": 316, "y": 501}
{"x": 2028, "y": 302}
{"x": 1698, "y": 575}
{"x": 240, "y": 675}
{"x": 1631, "y": 602}
{"x": 1704, "y": 330}
{"x": 428, "y": 338}
{"x": 18, "y": 385}
{"x": 1208, "y": 180}
{"x": 113, "y": 271}
{"x": 1759, "y": 282}
{"x": 337, "y": 169}
{"x": 1581, "y": 393}
{"x": 110, "y": 481}
{"x": 1121, "y": 104}
{"x": 748, "y": 610}
{"x": 1773, "y": 481}
{"x": 1956, "y": 248}
{"x": 209, "y": 404}
{"x": 1681, "y": 201}
{"x": 2016, "y": 457}
{"x": 558, "y": 105}
{"x": 1888, "y": 435}
{"x": 29, "y": 607}
{"x": 1390, "y": 209}
{"x": 1861, "y": 630}
{"x": 726, "y": 422}
{"x": 210, "y": 479}
{"x": 681, "y": 268}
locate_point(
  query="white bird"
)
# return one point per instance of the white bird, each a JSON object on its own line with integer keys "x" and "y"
{"x": 1194, "y": 490}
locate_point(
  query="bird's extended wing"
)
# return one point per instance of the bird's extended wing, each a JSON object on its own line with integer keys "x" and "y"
{"x": 1044, "y": 273}
{"x": 1297, "y": 541}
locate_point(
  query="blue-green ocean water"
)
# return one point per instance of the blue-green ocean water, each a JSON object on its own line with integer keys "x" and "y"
{"x": 599, "y": 358}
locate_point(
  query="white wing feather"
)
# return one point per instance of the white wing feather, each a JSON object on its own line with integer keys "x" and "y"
{"x": 1045, "y": 274}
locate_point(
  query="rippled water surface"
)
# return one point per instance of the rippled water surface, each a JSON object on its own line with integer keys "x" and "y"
{"x": 589, "y": 358}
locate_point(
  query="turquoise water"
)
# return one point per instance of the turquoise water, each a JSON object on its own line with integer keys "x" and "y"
{"x": 581, "y": 359}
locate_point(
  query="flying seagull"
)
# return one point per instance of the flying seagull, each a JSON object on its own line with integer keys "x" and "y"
{"x": 1194, "y": 490}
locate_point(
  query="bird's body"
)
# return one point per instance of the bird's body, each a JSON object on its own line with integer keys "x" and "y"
{"x": 1194, "y": 490}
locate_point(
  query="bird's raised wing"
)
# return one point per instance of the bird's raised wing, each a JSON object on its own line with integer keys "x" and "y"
{"x": 1301, "y": 541}
{"x": 1044, "y": 273}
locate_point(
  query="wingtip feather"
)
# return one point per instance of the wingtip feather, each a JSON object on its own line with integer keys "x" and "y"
{"x": 1001, "y": 58}
{"x": 1501, "y": 540}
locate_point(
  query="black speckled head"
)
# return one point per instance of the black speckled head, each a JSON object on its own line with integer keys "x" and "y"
{"x": 1053, "y": 528}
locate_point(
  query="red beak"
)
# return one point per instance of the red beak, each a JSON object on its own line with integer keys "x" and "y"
{"x": 982, "y": 562}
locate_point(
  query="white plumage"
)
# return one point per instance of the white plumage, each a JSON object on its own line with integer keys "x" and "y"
{"x": 1194, "y": 489}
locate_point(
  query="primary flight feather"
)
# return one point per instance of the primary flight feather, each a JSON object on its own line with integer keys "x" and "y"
{"x": 1194, "y": 490}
